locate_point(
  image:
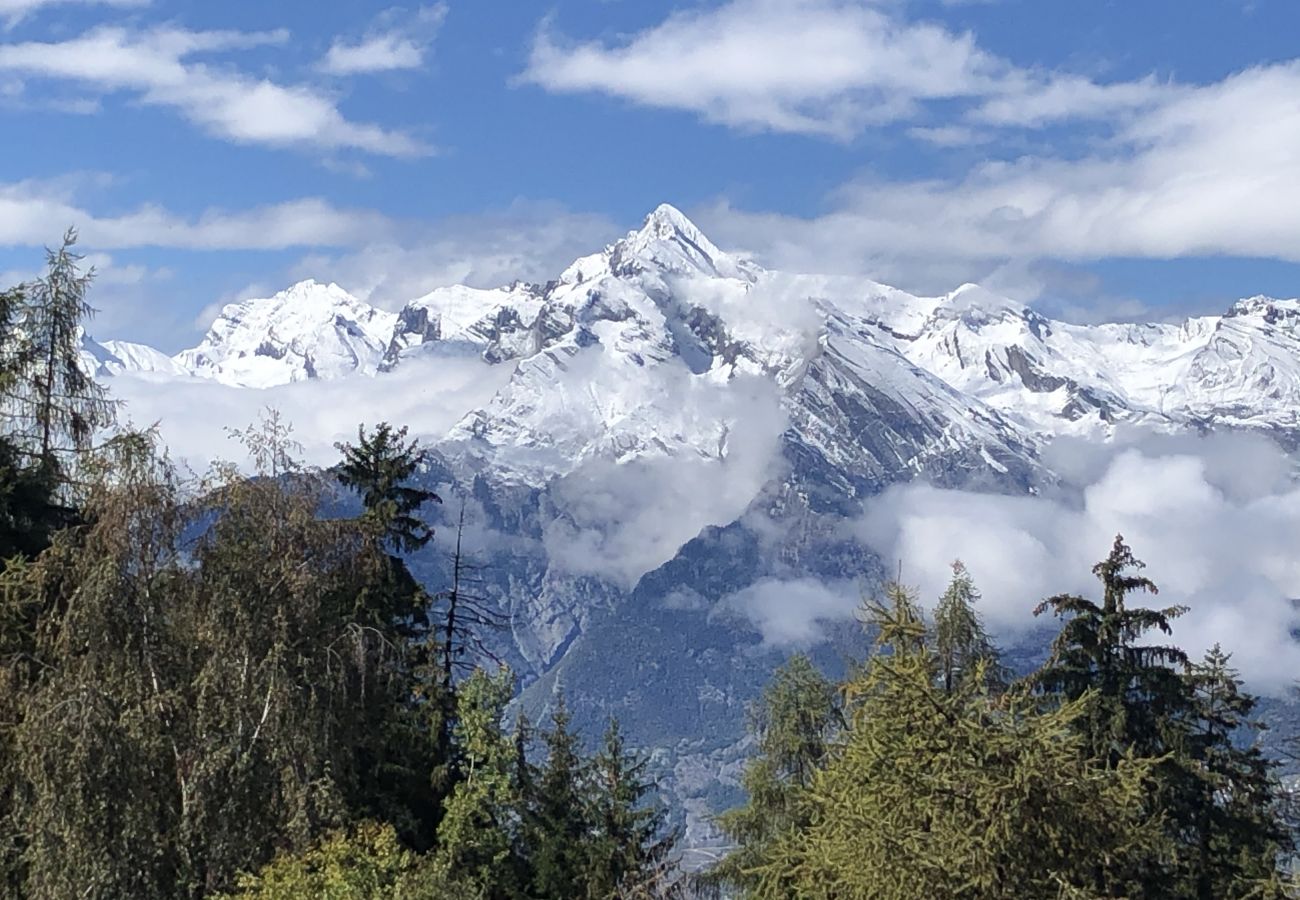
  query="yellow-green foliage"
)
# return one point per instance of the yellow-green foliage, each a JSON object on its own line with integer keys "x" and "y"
{"x": 367, "y": 862}
{"x": 956, "y": 793}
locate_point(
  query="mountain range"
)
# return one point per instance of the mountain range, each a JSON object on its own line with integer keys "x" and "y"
{"x": 660, "y": 481}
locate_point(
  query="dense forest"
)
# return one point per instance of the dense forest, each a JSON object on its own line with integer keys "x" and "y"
{"x": 221, "y": 686}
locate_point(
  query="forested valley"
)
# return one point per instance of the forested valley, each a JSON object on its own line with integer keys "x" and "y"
{"x": 215, "y": 686}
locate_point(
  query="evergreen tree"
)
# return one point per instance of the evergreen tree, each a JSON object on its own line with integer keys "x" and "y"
{"x": 477, "y": 836}
{"x": 1101, "y": 648}
{"x": 960, "y": 641}
{"x": 794, "y": 723}
{"x": 557, "y": 825}
{"x": 60, "y": 407}
{"x": 401, "y": 759}
{"x": 628, "y": 853}
{"x": 1230, "y": 797}
{"x": 957, "y": 793}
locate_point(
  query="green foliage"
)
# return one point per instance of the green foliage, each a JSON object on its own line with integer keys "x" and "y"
{"x": 476, "y": 838}
{"x": 962, "y": 645}
{"x": 365, "y": 862}
{"x": 58, "y": 405}
{"x": 557, "y": 819}
{"x": 628, "y": 851}
{"x": 379, "y": 467}
{"x": 794, "y": 723}
{"x": 1101, "y": 648}
{"x": 936, "y": 792}
{"x": 1118, "y": 770}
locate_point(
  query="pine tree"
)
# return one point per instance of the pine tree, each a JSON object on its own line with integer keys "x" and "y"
{"x": 794, "y": 723}
{"x": 1229, "y": 797}
{"x": 557, "y": 818}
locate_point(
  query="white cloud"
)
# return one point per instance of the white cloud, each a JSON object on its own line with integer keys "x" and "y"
{"x": 792, "y": 612}
{"x": 14, "y": 11}
{"x": 395, "y": 42}
{"x": 158, "y": 67}
{"x": 428, "y": 395}
{"x": 815, "y": 66}
{"x": 1208, "y": 171}
{"x": 33, "y": 213}
{"x": 1214, "y": 519}
{"x": 526, "y": 241}
{"x": 619, "y": 520}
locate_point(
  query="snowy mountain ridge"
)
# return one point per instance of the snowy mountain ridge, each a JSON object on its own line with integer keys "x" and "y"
{"x": 666, "y": 292}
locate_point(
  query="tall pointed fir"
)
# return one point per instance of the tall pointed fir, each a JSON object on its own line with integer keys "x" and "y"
{"x": 557, "y": 818}
{"x": 628, "y": 853}
{"x": 403, "y": 760}
{"x": 1229, "y": 797}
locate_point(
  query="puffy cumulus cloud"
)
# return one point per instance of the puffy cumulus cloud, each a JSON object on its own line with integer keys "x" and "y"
{"x": 813, "y": 66}
{"x": 826, "y": 67}
{"x": 428, "y": 395}
{"x": 620, "y": 520}
{"x": 397, "y": 40}
{"x": 159, "y": 67}
{"x": 1215, "y": 520}
{"x": 792, "y": 612}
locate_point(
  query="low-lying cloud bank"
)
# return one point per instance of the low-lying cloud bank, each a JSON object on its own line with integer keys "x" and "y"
{"x": 1217, "y": 521}
{"x": 428, "y": 395}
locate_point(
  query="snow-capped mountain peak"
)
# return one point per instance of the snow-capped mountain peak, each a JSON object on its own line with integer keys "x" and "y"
{"x": 665, "y": 293}
{"x": 672, "y": 244}
{"x": 310, "y": 330}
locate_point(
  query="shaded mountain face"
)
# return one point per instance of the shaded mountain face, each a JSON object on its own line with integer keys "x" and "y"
{"x": 661, "y": 490}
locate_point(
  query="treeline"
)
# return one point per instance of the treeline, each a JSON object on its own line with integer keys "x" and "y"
{"x": 1119, "y": 769}
{"x": 209, "y": 688}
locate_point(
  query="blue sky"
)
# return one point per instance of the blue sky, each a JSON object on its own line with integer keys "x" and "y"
{"x": 1102, "y": 159}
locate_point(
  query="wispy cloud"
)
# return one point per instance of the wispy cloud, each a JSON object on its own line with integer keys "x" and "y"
{"x": 159, "y": 68}
{"x": 14, "y": 11}
{"x": 813, "y": 66}
{"x": 396, "y": 41}
{"x": 1209, "y": 170}
{"x": 33, "y": 213}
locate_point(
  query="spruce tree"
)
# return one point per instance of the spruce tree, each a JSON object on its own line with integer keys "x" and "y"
{"x": 1229, "y": 796}
{"x": 1102, "y": 648}
{"x": 628, "y": 852}
{"x": 557, "y": 818}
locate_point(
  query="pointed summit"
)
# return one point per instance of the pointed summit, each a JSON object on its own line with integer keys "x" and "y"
{"x": 668, "y": 240}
